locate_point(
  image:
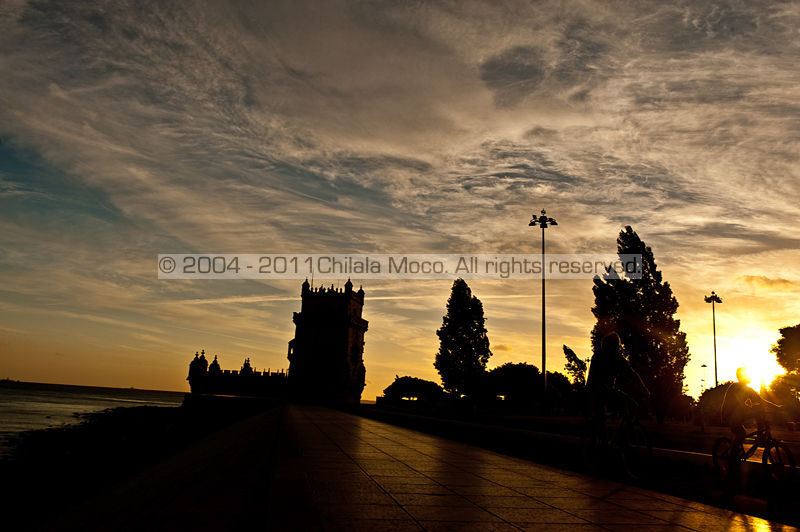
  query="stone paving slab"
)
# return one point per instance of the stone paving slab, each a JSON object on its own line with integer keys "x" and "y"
{"x": 308, "y": 468}
{"x": 419, "y": 481}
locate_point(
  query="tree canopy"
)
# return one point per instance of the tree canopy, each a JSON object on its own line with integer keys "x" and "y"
{"x": 520, "y": 384}
{"x": 711, "y": 404}
{"x": 784, "y": 391}
{"x": 642, "y": 312}
{"x": 463, "y": 342}
{"x": 787, "y": 350}
{"x": 517, "y": 382}
{"x": 413, "y": 387}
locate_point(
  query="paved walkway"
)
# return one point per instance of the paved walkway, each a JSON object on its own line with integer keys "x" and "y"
{"x": 355, "y": 473}
{"x": 306, "y": 468}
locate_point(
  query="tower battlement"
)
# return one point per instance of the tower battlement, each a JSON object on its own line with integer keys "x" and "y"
{"x": 326, "y": 355}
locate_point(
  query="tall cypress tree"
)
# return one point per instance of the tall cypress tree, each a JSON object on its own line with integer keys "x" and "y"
{"x": 642, "y": 312}
{"x": 463, "y": 343}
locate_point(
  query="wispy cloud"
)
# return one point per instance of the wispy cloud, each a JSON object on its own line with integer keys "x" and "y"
{"x": 770, "y": 284}
{"x": 129, "y": 130}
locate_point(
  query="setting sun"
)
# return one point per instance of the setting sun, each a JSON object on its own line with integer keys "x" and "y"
{"x": 764, "y": 373}
{"x": 753, "y": 354}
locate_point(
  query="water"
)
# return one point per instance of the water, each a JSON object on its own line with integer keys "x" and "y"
{"x": 31, "y": 406}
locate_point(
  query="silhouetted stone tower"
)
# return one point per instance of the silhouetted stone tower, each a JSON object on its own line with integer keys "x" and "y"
{"x": 326, "y": 355}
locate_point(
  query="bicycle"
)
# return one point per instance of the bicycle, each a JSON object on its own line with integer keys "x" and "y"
{"x": 629, "y": 443}
{"x": 777, "y": 459}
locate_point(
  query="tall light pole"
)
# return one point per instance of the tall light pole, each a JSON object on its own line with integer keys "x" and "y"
{"x": 544, "y": 222}
{"x": 714, "y": 299}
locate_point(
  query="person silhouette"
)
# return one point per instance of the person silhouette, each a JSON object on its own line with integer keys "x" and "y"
{"x": 612, "y": 382}
{"x": 742, "y": 404}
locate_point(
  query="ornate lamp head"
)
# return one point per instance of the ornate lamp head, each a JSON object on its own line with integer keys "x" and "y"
{"x": 542, "y": 221}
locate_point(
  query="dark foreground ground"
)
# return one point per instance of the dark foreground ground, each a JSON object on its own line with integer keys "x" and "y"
{"x": 311, "y": 468}
{"x": 681, "y": 463}
{"x": 52, "y": 470}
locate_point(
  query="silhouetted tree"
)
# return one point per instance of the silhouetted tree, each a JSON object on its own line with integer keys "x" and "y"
{"x": 517, "y": 382}
{"x": 710, "y": 404}
{"x": 521, "y": 386}
{"x": 784, "y": 391}
{"x": 787, "y": 350}
{"x": 421, "y": 389}
{"x": 575, "y": 368}
{"x": 642, "y": 312}
{"x": 682, "y": 406}
{"x": 463, "y": 343}
{"x": 559, "y": 390}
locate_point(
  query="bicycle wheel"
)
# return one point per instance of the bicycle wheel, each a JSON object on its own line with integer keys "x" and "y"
{"x": 636, "y": 452}
{"x": 778, "y": 463}
{"x": 722, "y": 455}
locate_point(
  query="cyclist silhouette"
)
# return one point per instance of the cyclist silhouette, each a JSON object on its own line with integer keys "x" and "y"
{"x": 742, "y": 404}
{"x": 611, "y": 382}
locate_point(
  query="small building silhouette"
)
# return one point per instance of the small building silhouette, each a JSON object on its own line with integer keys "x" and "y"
{"x": 210, "y": 379}
{"x": 326, "y": 361}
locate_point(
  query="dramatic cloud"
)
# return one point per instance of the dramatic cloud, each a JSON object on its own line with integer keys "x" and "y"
{"x": 133, "y": 128}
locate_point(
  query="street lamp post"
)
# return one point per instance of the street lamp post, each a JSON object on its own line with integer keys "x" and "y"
{"x": 714, "y": 299}
{"x": 544, "y": 222}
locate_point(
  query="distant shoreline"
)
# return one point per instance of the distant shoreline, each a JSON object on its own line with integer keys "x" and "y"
{"x": 26, "y": 406}
{"x": 10, "y": 383}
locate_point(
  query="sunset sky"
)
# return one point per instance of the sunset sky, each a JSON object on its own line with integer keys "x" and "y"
{"x": 129, "y": 129}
